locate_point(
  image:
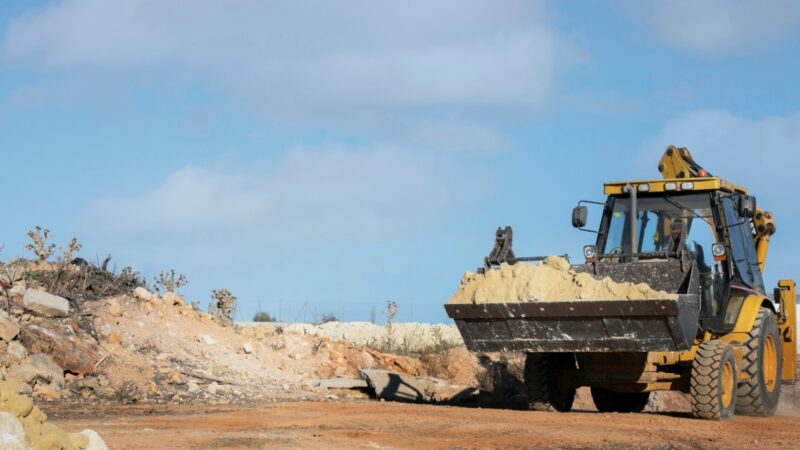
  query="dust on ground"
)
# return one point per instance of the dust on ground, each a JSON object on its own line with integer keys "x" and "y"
{"x": 552, "y": 280}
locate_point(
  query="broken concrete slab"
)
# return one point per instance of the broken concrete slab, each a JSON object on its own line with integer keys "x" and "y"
{"x": 339, "y": 383}
{"x": 9, "y": 328}
{"x": 396, "y": 386}
{"x": 45, "y": 304}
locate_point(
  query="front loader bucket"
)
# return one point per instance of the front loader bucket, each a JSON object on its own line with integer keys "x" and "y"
{"x": 588, "y": 325}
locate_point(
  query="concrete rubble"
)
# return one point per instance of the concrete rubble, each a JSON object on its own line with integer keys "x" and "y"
{"x": 45, "y": 304}
{"x": 397, "y": 386}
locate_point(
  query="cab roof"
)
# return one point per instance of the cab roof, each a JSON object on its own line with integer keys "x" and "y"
{"x": 674, "y": 185}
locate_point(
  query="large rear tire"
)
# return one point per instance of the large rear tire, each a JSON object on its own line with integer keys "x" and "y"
{"x": 543, "y": 384}
{"x": 622, "y": 402}
{"x": 713, "y": 385}
{"x": 759, "y": 395}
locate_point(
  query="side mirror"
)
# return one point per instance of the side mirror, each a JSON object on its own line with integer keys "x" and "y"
{"x": 747, "y": 206}
{"x": 579, "y": 216}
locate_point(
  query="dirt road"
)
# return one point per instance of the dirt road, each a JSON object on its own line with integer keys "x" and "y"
{"x": 369, "y": 424}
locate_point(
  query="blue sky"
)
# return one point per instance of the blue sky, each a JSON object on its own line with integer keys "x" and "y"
{"x": 337, "y": 155}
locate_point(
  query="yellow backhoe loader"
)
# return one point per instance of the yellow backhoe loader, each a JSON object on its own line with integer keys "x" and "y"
{"x": 722, "y": 339}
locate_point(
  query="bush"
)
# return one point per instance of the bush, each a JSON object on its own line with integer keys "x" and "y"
{"x": 262, "y": 316}
{"x": 330, "y": 317}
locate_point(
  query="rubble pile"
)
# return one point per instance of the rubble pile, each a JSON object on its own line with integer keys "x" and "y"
{"x": 136, "y": 346}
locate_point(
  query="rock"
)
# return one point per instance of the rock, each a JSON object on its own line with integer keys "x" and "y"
{"x": 17, "y": 350}
{"x": 208, "y": 340}
{"x": 47, "y": 392}
{"x": 114, "y": 338}
{"x": 95, "y": 441}
{"x": 37, "y": 366}
{"x": 16, "y": 293}
{"x": 12, "y": 435}
{"x": 9, "y": 328}
{"x": 247, "y": 347}
{"x": 395, "y": 386}
{"x": 172, "y": 298}
{"x": 91, "y": 383}
{"x": 105, "y": 329}
{"x": 142, "y": 294}
{"x": 115, "y": 309}
{"x": 106, "y": 392}
{"x": 192, "y": 386}
{"x": 176, "y": 378}
{"x": 213, "y": 388}
{"x": 66, "y": 350}
{"x": 45, "y": 304}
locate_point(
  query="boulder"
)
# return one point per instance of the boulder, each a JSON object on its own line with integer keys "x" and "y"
{"x": 208, "y": 340}
{"x": 17, "y": 350}
{"x": 247, "y": 347}
{"x": 66, "y": 350}
{"x": 12, "y": 435}
{"x": 45, "y": 304}
{"x": 35, "y": 367}
{"x": 16, "y": 293}
{"x": 95, "y": 441}
{"x": 9, "y": 328}
{"x": 142, "y": 294}
{"x": 47, "y": 392}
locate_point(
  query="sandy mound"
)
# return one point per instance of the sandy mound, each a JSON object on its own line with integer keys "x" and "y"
{"x": 552, "y": 280}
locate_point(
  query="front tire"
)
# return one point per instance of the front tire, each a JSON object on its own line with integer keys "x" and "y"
{"x": 622, "y": 402}
{"x": 713, "y": 385}
{"x": 543, "y": 384}
{"x": 762, "y": 362}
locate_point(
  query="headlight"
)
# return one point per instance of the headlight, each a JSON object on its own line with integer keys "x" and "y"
{"x": 687, "y": 186}
{"x": 644, "y": 187}
{"x": 718, "y": 250}
{"x": 670, "y": 186}
{"x": 590, "y": 252}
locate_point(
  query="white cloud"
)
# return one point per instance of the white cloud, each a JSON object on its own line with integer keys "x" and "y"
{"x": 717, "y": 27}
{"x": 762, "y": 152}
{"x": 761, "y": 155}
{"x": 318, "y": 59}
{"x": 310, "y": 196}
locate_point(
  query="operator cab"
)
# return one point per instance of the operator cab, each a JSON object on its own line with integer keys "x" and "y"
{"x": 706, "y": 221}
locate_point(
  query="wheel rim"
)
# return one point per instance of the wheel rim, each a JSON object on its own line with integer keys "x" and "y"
{"x": 727, "y": 384}
{"x": 770, "y": 364}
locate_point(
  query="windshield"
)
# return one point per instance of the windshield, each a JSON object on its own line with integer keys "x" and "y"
{"x": 654, "y": 219}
